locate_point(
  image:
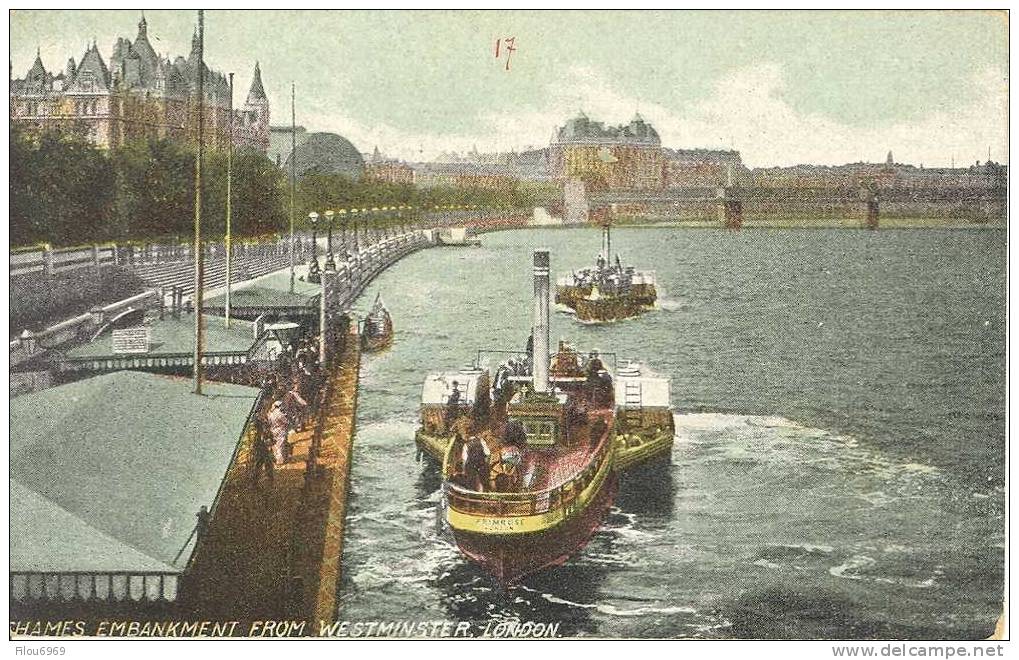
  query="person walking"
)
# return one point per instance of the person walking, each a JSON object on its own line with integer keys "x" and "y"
{"x": 261, "y": 451}
{"x": 279, "y": 427}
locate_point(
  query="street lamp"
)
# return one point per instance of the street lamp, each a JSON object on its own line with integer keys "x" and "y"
{"x": 313, "y": 272}
{"x": 357, "y": 246}
{"x": 330, "y": 261}
{"x": 343, "y": 228}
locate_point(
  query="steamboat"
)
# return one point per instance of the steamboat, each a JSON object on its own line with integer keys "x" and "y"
{"x": 609, "y": 291}
{"x": 531, "y": 450}
{"x": 377, "y": 328}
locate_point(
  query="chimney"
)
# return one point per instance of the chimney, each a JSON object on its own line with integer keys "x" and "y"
{"x": 606, "y": 242}
{"x": 540, "y": 328}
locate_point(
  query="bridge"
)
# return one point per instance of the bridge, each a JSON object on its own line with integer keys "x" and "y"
{"x": 730, "y": 201}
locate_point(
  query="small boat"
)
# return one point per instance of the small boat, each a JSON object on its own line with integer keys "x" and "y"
{"x": 377, "y": 327}
{"x": 529, "y": 455}
{"x": 457, "y": 237}
{"x": 609, "y": 291}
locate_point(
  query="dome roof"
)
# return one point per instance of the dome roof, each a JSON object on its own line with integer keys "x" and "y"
{"x": 328, "y": 153}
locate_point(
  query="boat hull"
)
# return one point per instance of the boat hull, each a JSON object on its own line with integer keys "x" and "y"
{"x": 510, "y": 558}
{"x": 372, "y": 344}
{"x": 640, "y": 299}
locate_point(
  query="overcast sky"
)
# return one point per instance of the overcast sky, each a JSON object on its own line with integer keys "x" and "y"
{"x": 783, "y": 87}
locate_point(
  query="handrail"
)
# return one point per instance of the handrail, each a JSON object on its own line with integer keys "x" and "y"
{"x": 91, "y": 580}
{"x": 245, "y": 429}
{"x": 497, "y": 503}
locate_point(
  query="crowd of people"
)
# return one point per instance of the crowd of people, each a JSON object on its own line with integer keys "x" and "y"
{"x": 290, "y": 402}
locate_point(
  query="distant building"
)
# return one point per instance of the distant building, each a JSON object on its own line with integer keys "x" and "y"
{"x": 280, "y": 142}
{"x": 388, "y": 170}
{"x": 465, "y": 176}
{"x": 626, "y": 157}
{"x": 528, "y": 165}
{"x": 691, "y": 168}
{"x": 138, "y": 95}
{"x": 889, "y": 176}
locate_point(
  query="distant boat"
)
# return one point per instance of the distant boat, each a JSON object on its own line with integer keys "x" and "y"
{"x": 609, "y": 291}
{"x": 457, "y": 236}
{"x": 377, "y": 328}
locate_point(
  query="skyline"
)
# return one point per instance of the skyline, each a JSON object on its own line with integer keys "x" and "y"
{"x": 929, "y": 86}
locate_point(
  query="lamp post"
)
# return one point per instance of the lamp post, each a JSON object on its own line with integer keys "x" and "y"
{"x": 330, "y": 261}
{"x": 357, "y": 246}
{"x": 313, "y": 272}
{"x": 343, "y": 228}
{"x": 364, "y": 224}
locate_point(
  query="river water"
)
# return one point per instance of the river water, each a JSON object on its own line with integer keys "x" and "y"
{"x": 838, "y": 470}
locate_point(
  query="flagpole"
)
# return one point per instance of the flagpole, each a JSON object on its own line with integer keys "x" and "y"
{"x": 198, "y": 252}
{"x": 293, "y": 175}
{"x": 229, "y": 182}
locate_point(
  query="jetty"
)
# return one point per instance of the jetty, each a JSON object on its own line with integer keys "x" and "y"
{"x": 272, "y": 550}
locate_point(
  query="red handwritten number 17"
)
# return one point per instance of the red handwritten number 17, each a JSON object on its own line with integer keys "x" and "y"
{"x": 509, "y": 45}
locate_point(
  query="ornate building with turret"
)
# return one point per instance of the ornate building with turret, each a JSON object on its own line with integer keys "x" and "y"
{"x": 138, "y": 95}
{"x": 608, "y": 157}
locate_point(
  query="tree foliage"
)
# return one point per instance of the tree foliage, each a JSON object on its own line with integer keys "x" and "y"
{"x": 66, "y": 191}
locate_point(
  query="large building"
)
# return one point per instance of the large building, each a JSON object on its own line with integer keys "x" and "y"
{"x": 626, "y": 157}
{"x": 138, "y": 95}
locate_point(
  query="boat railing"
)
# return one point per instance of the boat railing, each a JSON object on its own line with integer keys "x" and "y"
{"x": 527, "y": 503}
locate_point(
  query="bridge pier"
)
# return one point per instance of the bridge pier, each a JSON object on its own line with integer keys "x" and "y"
{"x": 872, "y": 213}
{"x": 870, "y": 198}
{"x": 575, "y": 202}
{"x": 730, "y": 209}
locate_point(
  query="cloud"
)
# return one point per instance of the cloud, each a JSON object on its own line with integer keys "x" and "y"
{"x": 745, "y": 109}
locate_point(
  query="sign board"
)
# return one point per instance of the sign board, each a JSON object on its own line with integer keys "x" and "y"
{"x": 131, "y": 340}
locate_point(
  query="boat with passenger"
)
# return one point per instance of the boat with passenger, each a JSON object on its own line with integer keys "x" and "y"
{"x": 609, "y": 291}
{"x": 377, "y": 327}
{"x": 529, "y": 449}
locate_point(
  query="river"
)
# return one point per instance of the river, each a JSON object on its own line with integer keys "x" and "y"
{"x": 838, "y": 470}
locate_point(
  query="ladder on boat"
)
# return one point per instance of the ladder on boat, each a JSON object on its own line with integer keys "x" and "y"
{"x": 633, "y": 402}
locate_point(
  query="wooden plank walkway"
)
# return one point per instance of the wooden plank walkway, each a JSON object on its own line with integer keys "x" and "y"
{"x": 273, "y": 550}
{"x": 319, "y": 534}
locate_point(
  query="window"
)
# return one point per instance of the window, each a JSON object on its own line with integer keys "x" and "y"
{"x": 540, "y": 432}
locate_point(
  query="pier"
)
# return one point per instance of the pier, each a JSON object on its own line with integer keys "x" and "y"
{"x": 273, "y": 549}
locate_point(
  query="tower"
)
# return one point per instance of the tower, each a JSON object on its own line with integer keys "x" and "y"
{"x": 256, "y": 106}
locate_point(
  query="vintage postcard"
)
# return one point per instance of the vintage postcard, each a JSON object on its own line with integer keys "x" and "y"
{"x": 509, "y": 324}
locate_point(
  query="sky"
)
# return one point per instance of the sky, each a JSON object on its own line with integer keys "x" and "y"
{"x": 783, "y": 87}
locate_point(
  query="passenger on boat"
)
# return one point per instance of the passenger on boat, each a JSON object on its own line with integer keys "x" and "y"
{"x": 506, "y": 471}
{"x": 594, "y": 366}
{"x": 475, "y": 462}
{"x": 501, "y": 384}
{"x": 566, "y": 362}
{"x": 482, "y": 406}
{"x": 452, "y": 407}
{"x": 514, "y": 433}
